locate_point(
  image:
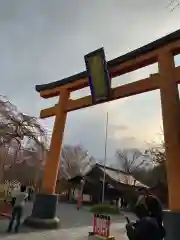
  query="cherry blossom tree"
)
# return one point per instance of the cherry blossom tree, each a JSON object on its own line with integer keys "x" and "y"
{"x": 17, "y": 131}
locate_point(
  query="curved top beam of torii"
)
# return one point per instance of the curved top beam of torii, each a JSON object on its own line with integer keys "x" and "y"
{"x": 79, "y": 80}
{"x": 131, "y": 61}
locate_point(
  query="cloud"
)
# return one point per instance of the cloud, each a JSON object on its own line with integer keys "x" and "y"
{"x": 44, "y": 40}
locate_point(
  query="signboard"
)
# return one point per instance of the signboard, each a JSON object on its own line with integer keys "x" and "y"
{"x": 99, "y": 80}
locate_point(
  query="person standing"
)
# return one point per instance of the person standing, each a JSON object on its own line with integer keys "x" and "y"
{"x": 152, "y": 203}
{"x": 122, "y": 202}
{"x": 145, "y": 228}
{"x": 29, "y": 193}
{"x": 153, "y": 206}
{"x": 79, "y": 200}
{"x": 20, "y": 198}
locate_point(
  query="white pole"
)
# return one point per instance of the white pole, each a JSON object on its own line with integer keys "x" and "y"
{"x": 105, "y": 156}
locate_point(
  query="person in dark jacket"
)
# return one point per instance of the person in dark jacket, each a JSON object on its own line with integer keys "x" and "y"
{"x": 154, "y": 207}
{"x": 145, "y": 228}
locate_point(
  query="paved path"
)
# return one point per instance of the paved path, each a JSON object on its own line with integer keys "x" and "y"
{"x": 75, "y": 225}
{"x": 79, "y": 233}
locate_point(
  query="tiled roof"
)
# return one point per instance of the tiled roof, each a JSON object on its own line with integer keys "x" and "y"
{"x": 120, "y": 176}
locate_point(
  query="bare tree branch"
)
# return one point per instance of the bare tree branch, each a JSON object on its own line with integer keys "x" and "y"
{"x": 172, "y": 5}
{"x": 74, "y": 161}
{"x": 127, "y": 159}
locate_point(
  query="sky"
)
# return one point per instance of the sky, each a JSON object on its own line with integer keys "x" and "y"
{"x": 42, "y": 41}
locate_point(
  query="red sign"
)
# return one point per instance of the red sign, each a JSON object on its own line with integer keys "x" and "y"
{"x": 101, "y": 225}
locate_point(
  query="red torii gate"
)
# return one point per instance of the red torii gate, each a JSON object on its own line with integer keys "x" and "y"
{"x": 161, "y": 51}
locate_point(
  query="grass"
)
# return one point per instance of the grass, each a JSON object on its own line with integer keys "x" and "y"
{"x": 104, "y": 208}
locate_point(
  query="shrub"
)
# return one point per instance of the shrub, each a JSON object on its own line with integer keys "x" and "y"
{"x": 104, "y": 208}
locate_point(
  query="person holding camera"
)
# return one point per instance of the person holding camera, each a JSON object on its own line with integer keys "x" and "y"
{"x": 18, "y": 206}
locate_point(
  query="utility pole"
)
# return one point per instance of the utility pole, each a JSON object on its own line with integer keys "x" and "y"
{"x": 105, "y": 157}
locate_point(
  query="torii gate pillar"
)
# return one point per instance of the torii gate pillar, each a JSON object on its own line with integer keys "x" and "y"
{"x": 171, "y": 124}
{"x": 44, "y": 209}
